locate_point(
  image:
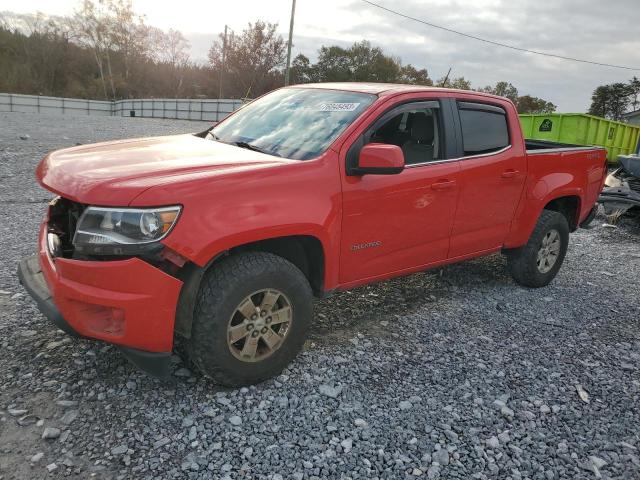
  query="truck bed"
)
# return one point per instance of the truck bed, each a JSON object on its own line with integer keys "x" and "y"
{"x": 545, "y": 146}
{"x": 583, "y": 166}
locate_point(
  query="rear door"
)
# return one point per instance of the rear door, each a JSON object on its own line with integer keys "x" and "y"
{"x": 491, "y": 178}
{"x": 394, "y": 223}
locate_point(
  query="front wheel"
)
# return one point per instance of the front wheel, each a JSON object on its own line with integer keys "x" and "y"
{"x": 537, "y": 263}
{"x": 251, "y": 319}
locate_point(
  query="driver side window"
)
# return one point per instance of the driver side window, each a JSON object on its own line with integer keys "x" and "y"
{"x": 415, "y": 131}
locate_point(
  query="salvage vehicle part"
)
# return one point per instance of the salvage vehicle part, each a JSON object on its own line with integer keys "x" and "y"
{"x": 622, "y": 187}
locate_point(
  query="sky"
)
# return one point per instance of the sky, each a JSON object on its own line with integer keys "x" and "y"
{"x": 597, "y": 30}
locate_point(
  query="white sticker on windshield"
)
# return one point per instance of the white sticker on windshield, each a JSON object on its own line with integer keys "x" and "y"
{"x": 338, "y": 107}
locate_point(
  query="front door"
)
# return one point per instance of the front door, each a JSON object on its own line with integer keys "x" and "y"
{"x": 394, "y": 223}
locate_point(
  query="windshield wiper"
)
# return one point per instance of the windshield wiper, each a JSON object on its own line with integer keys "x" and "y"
{"x": 249, "y": 146}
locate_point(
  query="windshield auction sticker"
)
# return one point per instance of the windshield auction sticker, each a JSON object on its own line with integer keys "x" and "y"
{"x": 338, "y": 107}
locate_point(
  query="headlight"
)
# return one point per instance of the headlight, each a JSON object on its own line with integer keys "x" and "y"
{"x": 123, "y": 231}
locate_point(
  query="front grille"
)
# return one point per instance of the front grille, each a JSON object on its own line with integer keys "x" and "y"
{"x": 63, "y": 219}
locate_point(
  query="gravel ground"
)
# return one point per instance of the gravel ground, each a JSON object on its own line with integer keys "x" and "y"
{"x": 453, "y": 373}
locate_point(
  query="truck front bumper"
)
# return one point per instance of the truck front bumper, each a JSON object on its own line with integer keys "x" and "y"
{"x": 128, "y": 303}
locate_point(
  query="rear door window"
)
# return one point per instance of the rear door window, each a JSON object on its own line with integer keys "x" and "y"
{"x": 484, "y": 128}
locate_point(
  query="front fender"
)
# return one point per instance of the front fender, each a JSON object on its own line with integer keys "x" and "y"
{"x": 191, "y": 274}
{"x": 220, "y": 245}
{"x": 297, "y": 198}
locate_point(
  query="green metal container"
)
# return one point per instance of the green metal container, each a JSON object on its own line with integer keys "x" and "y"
{"x": 581, "y": 129}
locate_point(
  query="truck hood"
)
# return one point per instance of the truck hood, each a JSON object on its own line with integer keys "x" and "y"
{"x": 114, "y": 173}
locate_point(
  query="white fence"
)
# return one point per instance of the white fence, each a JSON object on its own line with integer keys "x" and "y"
{"x": 185, "y": 109}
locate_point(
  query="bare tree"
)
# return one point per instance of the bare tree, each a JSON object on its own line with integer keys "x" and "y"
{"x": 44, "y": 47}
{"x": 108, "y": 28}
{"x": 173, "y": 50}
{"x": 91, "y": 28}
{"x": 129, "y": 34}
{"x": 252, "y": 57}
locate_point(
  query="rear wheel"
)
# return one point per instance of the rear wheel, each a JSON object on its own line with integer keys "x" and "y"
{"x": 537, "y": 263}
{"x": 251, "y": 318}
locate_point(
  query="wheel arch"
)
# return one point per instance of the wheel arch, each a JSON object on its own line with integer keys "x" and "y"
{"x": 304, "y": 251}
{"x": 569, "y": 206}
{"x": 567, "y": 201}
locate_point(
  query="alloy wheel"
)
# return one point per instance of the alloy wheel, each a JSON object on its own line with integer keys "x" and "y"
{"x": 549, "y": 251}
{"x": 259, "y": 325}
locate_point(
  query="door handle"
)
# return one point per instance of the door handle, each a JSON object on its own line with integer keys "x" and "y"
{"x": 509, "y": 173}
{"x": 443, "y": 184}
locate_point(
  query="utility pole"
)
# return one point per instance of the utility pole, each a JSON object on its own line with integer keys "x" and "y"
{"x": 293, "y": 13}
{"x": 446, "y": 78}
{"x": 224, "y": 55}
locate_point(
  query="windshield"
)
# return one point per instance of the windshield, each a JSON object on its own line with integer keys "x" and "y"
{"x": 297, "y": 123}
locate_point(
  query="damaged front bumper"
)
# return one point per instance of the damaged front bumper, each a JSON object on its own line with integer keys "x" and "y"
{"x": 31, "y": 277}
{"x": 128, "y": 303}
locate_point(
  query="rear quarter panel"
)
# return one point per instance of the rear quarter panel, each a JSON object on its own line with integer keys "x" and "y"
{"x": 553, "y": 175}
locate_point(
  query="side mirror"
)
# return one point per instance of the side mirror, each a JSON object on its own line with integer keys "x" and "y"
{"x": 380, "y": 159}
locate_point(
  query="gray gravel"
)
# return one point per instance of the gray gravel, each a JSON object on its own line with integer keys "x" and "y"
{"x": 453, "y": 373}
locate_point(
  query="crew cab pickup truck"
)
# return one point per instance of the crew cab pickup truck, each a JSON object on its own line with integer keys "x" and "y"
{"x": 221, "y": 239}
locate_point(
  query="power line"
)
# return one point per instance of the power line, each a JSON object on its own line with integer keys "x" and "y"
{"x": 491, "y": 42}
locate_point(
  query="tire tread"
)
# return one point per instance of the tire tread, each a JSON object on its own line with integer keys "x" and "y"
{"x": 224, "y": 276}
{"x": 521, "y": 261}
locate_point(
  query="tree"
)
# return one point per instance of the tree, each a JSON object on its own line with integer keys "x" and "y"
{"x": 611, "y": 101}
{"x": 333, "y": 65}
{"x": 107, "y": 51}
{"x": 91, "y": 27}
{"x": 460, "y": 83}
{"x": 363, "y": 62}
{"x": 45, "y": 55}
{"x": 599, "y": 98}
{"x": 525, "y": 103}
{"x": 44, "y": 51}
{"x": 507, "y": 90}
{"x": 130, "y": 37}
{"x": 411, "y": 75}
{"x": 529, "y": 104}
{"x": 301, "y": 70}
{"x": 502, "y": 89}
{"x": 251, "y": 59}
{"x": 370, "y": 64}
{"x": 173, "y": 51}
{"x": 634, "y": 83}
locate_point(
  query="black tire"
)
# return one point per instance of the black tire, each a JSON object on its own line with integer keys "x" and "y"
{"x": 222, "y": 289}
{"x": 523, "y": 262}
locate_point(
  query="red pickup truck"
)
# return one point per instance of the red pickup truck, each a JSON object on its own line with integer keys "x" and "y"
{"x": 224, "y": 237}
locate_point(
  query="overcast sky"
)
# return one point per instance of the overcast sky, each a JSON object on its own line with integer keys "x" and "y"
{"x": 597, "y": 30}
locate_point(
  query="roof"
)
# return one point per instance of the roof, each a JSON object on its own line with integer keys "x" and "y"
{"x": 384, "y": 88}
{"x": 635, "y": 113}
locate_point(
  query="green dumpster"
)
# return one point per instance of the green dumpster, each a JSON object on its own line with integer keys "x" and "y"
{"x": 582, "y": 129}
